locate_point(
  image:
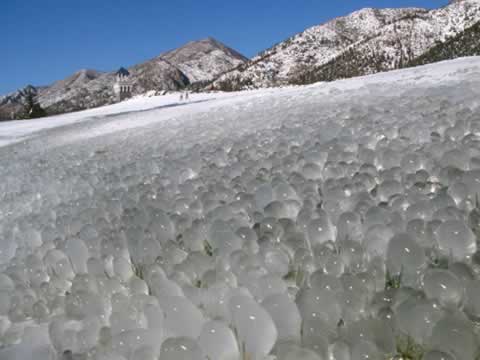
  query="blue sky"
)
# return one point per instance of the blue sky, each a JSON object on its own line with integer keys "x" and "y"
{"x": 47, "y": 40}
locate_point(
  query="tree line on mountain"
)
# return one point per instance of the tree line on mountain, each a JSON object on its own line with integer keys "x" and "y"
{"x": 466, "y": 43}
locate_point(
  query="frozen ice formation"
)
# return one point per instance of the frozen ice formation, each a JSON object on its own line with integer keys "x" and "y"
{"x": 331, "y": 222}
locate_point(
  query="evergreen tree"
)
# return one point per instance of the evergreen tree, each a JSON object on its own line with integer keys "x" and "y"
{"x": 32, "y": 109}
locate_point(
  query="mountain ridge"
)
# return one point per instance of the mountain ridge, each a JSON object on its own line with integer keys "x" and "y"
{"x": 384, "y": 38}
{"x": 196, "y": 61}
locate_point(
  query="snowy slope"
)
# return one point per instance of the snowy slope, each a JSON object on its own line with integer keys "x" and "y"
{"x": 150, "y": 180}
{"x": 18, "y": 131}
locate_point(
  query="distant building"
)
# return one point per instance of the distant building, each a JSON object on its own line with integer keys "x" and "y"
{"x": 123, "y": 85}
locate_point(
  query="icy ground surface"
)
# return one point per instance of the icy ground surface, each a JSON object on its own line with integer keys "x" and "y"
{"x": 334, "y": 221}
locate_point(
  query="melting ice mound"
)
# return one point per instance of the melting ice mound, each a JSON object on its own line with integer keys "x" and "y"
{"x": 334, "y": 221}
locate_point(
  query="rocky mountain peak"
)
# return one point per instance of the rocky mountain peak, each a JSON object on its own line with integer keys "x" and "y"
{"x": 204, "y": 59}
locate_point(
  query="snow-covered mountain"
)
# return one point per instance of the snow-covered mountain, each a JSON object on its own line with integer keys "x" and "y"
{"x": 196, "y": 61}
{"x": 364, "y": 42}
{"x": 203, "y": 60}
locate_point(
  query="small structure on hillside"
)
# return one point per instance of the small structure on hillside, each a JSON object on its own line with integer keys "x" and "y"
{"x": 123, "y": 84}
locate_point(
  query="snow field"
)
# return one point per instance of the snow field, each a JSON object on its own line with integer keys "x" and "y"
{"x": 334, "y": 221}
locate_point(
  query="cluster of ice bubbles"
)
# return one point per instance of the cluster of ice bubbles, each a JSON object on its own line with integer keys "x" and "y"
{"x": 350, "y": 241}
